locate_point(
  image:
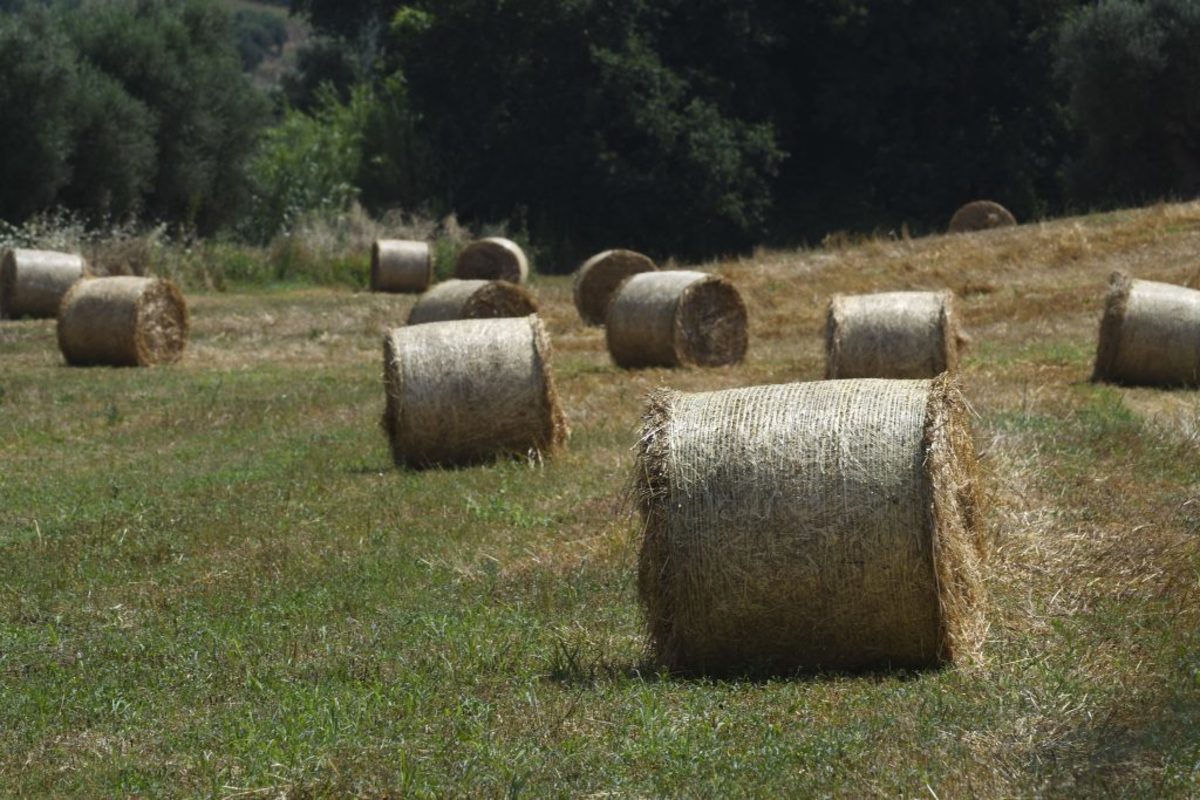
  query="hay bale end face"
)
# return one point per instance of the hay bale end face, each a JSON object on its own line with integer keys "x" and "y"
{"x": 464, "y": 391}
{"x": 123, "y": 321}
{"x": 33, "y": 282}
{"x": 400, "y": 266}
{"x": 674, "y": 318}
{"x": 493, "y": 259}
{"x": 599, "y": 277}
{"x": 1149, "y": 334}
{"x": 825, "y": 525}
{"x": 981, "y": 215}
{"x": 891, "y": 335}
{"x": 455, "y": 299}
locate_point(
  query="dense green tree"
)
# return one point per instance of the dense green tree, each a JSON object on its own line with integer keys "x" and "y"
{"x": 258, "y": 33}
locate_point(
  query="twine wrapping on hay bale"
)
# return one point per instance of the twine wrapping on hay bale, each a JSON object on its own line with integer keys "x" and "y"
{"x": 597, "y": 280}
{"x": 826, "y": 525}
{"x": 672, "y": 318}
{"x": 123, "y": 321}
{"x": 33, "y": 282}
{"x": 891, "y": 335}
{"x": 455, "y": 299}
{"x": 467, "y": 390}
{"x": 492, "y": 259}
{"x": 981, "y": 215}
{"x": 1149, "y": 334}
{"x": 400, "y": 266}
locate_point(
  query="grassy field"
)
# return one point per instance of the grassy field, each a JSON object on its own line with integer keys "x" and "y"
{"x": 213, "y": 582}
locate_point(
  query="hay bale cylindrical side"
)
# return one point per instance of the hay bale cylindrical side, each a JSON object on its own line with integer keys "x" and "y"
{"x": 891, "y": 335}
{"x": 400, "y": 266}
{"x": 492, "y": 259}
{"x": 1149, "y": 334}
{"x": 33, "y": 282}
{"x": 463, "y": 391}
{"x": 825, "y": 525}
{"x": 455, "y": 299}
{"x": 123, "y": 321}
{"x": 676, "y": 317}
{"x": 981, "y": 215}
{"x": 597, "y": 280}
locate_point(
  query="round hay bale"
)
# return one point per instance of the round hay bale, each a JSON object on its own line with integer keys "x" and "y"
{"x": 676, "y": 317}
{"x": 826, "y": 525}
{"x": 467, "y": 390}
{"x": 981, "y": 215}
{"x": 1149, "y": 334}
{"x": 891, "y": 335}
{"x": 123, "y": 322}
{"x": 492, "y": 259}
{"x": 455, "y": 299}
{"x": 400, "y": 266}
{"x": 599, "y": 277}
{"x": 33, "y": 282}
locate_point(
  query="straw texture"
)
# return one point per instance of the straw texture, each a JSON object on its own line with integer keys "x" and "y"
{"x": 676, "y": 317}
{"x": 492, "y": 259}
{"x": 826, "y": 525}
{"x": 1149, "y": 334}
{"x": 400, "y": 266}
{"x": 455, "y": 299}
{"x": 891, "y": 335}
{"x": 981, "y": 215}
{"x": 463, "y": 391}
{"x": 599, "y": 277}
{"x": 33, "y": 282}
{"x": 123, "y": 322}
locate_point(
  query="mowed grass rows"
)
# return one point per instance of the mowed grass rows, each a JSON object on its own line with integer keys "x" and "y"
{"x": 213, "y": 582}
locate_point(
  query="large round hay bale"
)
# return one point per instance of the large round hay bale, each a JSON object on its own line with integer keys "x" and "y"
{"x": 492, "y": 259}
{"x": 33, "y": 282}
{"x": 468, "y": 390}
{"x": 1149, "y": 334}
{"x": 400, "y": 266}
{"x": 676, "y": 317}
{"x": 825, "y": 525}
{"x": 891, "y": 335}
{"x": 599, "y": 277}
{"x": 123, "y": 322}
{"x": 455, "y": 299}
{"x": 981, "y": 215}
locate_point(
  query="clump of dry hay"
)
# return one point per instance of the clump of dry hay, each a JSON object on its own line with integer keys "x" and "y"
{"x": 825, "y": 525}
{"x": 455, "y": 299}
{"x": 123, "y": 322}
{"x": 33, "y": 282}
{"x": 1149, "y": 334}
{"x": 891, "y": 335}
{"x": 399, "y": 265}
{"x": 676, "y": 317}
{"x": 981, "y": 215}
{"x": 599, "y": 277}
{"x": 492, "y": 259}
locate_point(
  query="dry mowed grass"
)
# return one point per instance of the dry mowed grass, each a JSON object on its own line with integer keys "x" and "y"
{"x": 213, "y": 582}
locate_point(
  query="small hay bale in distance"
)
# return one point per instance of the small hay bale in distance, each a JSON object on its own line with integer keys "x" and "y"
{"x": 455, "y": 299}
{"x": 599, "y": 277}
{"x": 398, "y": 265}
{"x": 463, "y": 391}
{"x": 492, "y": 259}
{"x": 1149, "y": 334}
{"x": 123, "y": 322}
{"x": 891, "y": 335}
{"x": 981, "y": 215}
{"x": 673, "y": 318}
{"x": 825, "y": 525}
{"x": 33, "y": 282}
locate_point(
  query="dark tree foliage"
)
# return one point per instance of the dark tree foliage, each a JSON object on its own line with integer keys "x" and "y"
{"x": 259, "y": 34}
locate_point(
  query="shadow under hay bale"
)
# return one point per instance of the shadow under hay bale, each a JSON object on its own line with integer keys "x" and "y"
{"x": 492, "y": 259}
{"x": 455, "y": 299}
{"x": 123, "y": 322}
{"x": 1149, "y": 334}
{"x": 464, "y": 391}
{"x": 599, "y": 277}
{"x": 981, "y": 215}
{"x": 891, "y": 335}
{"x": 676, "y": 318}
{"x": 400, "y": 266}
{"x": 826, "y": 525}
{"x": 33, "y": 282}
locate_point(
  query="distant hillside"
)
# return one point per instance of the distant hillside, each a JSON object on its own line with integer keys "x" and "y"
{"x": 276, "y": 57}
